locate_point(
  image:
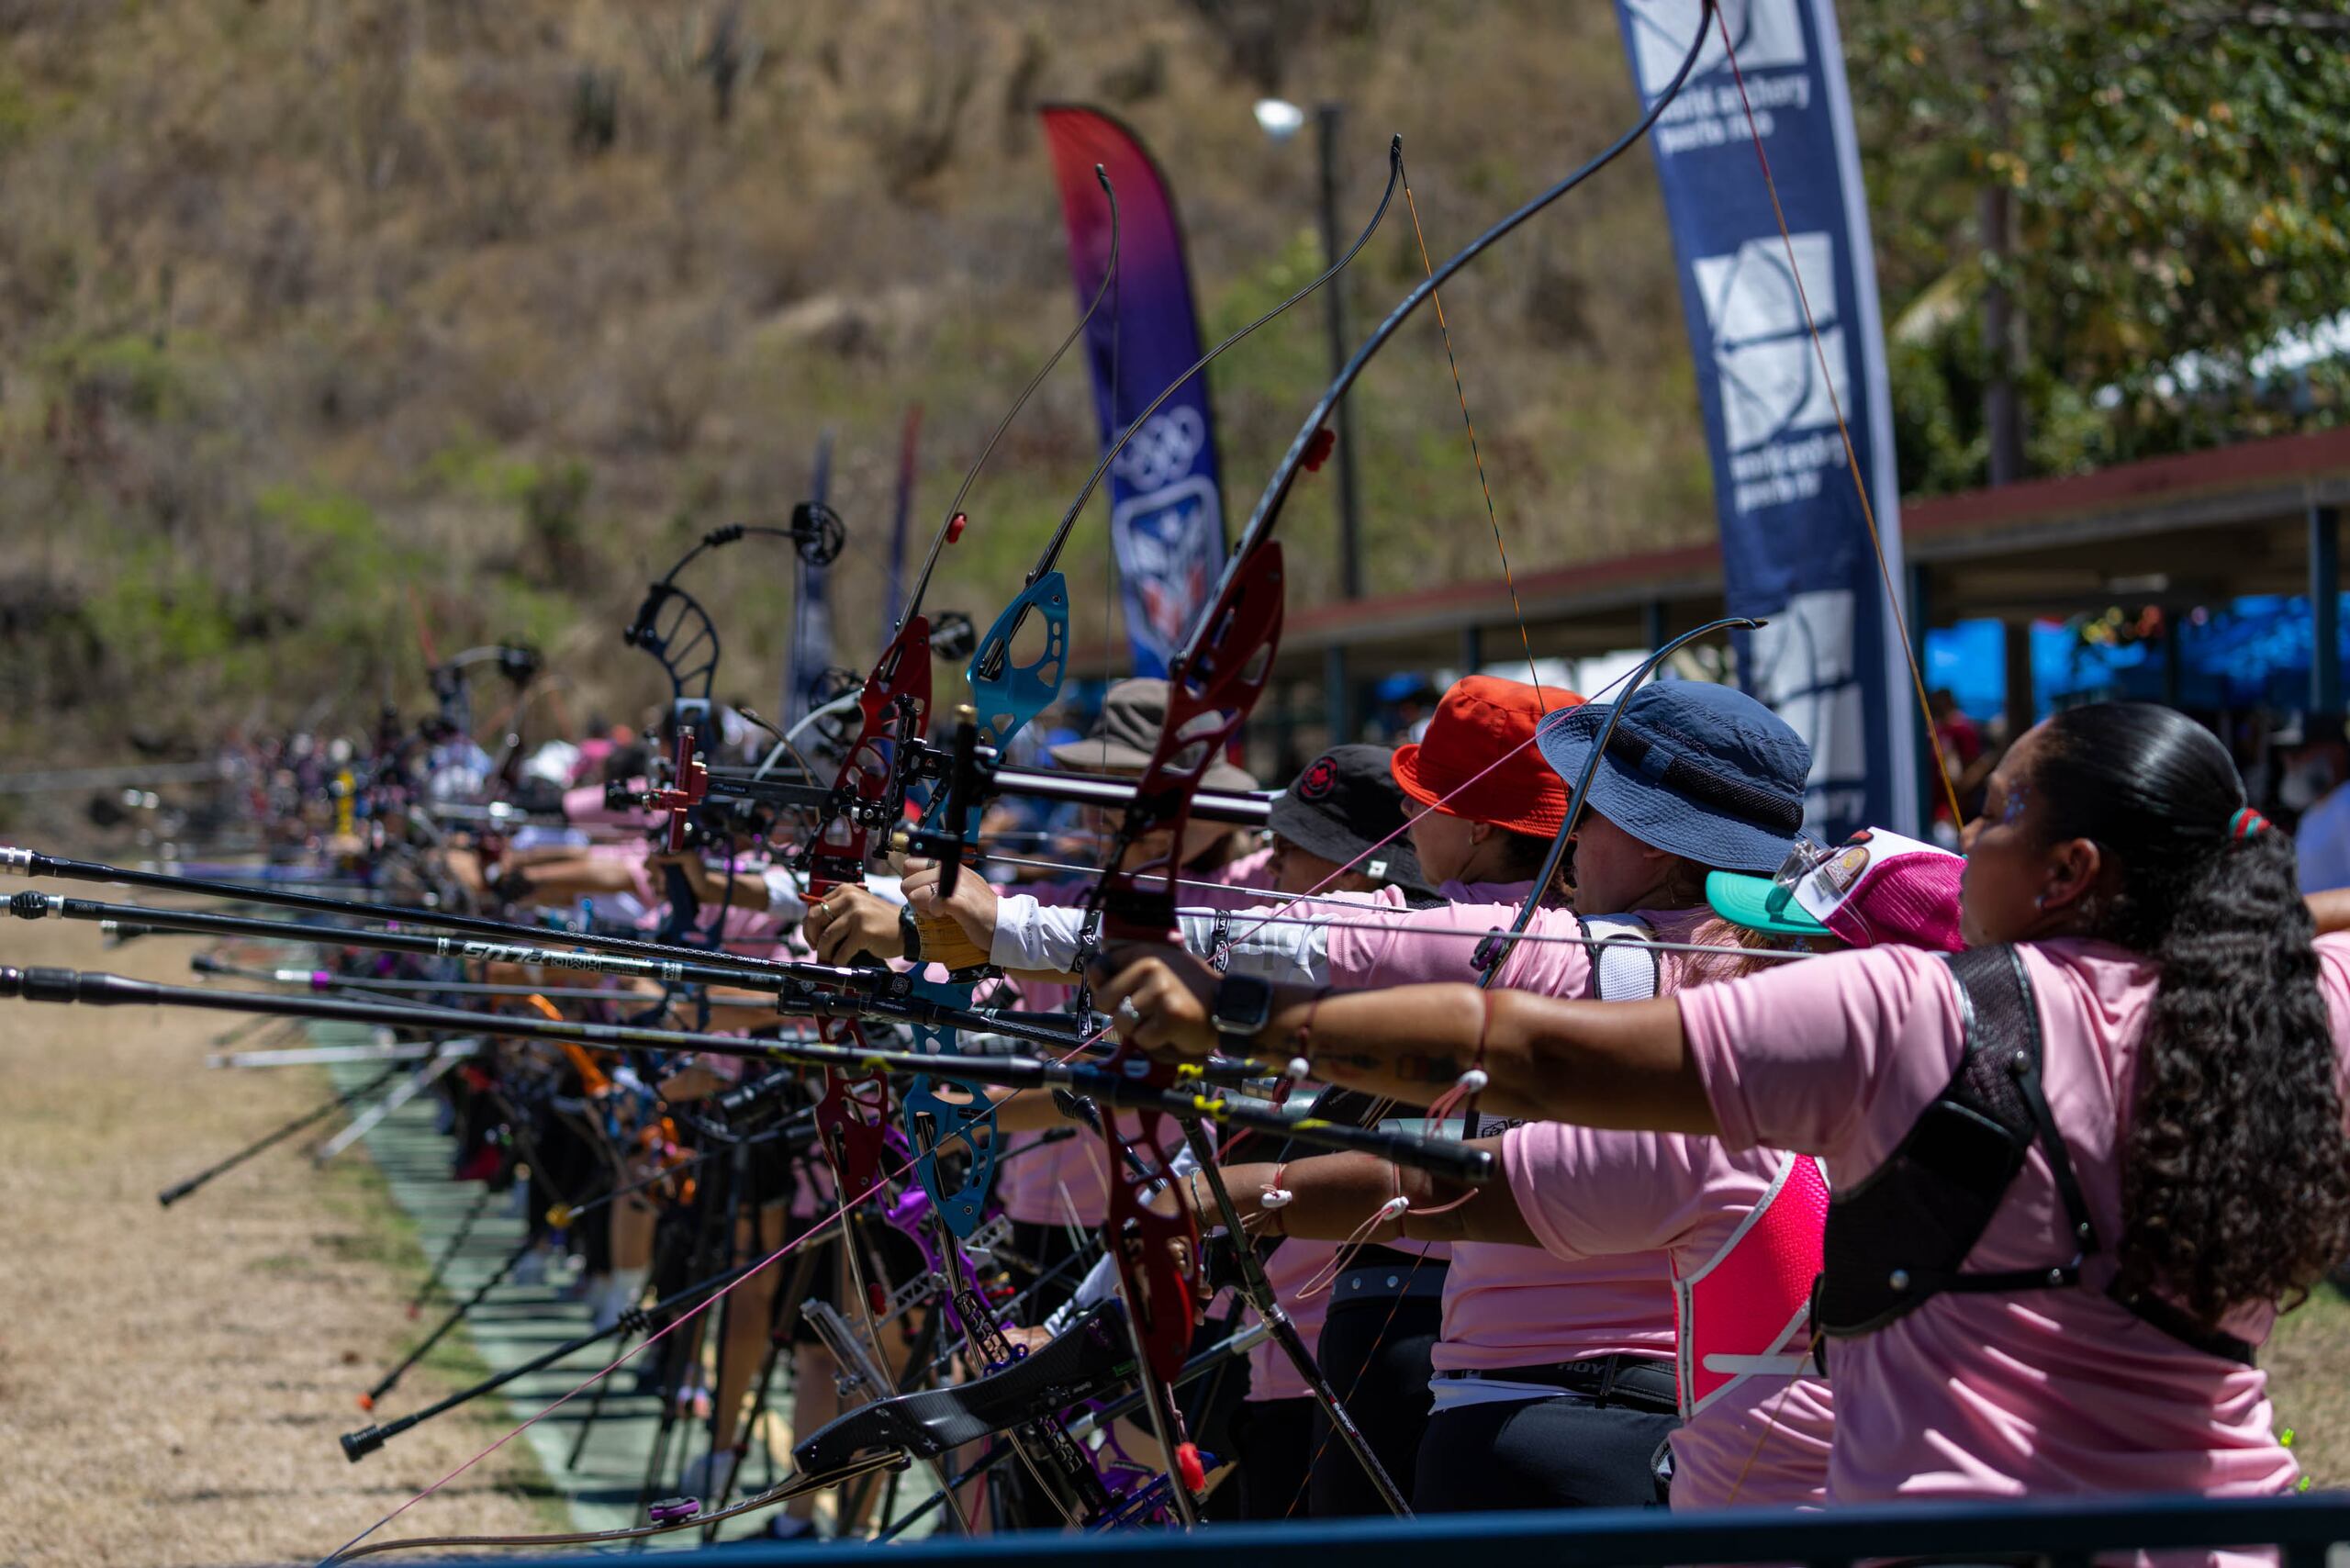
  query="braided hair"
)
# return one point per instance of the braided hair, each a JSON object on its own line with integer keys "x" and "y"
{"x": 2235, "y": 1167}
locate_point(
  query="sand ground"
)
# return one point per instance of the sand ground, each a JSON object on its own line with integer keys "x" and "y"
{"x": 172, "y": 1381}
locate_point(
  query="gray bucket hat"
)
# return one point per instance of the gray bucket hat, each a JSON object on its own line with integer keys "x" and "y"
{"x": 1122, "y": 738}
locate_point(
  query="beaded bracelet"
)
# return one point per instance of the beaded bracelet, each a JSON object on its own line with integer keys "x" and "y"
{"x": 1301, "y": 1063}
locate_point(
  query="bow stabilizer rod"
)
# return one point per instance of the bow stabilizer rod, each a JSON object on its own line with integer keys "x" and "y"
{"x": 31, "y": 863}
{"x": 1444, "y": 1156}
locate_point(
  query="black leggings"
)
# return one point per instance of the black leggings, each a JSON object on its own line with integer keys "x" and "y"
{"x": 1269, "y": 1438}
{"x": 1379, "y": 1368}
{"x": 1562, "y": 1452}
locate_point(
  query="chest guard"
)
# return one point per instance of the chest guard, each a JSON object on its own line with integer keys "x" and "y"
{"x": 1623, "y": 964}
{"x": 1900, "y": 1236}
{"x": 1742, "y": 1313}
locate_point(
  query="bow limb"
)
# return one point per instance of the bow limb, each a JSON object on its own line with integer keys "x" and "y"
{"x": 1221, "y": 656}
{"x": 1277, "y": 491}
{"x": 870, "y": 792}
{"x": 1008, "y": 695}
{"x": 1491, "y": 956}
{"x": 1476, "y": 453}
{"x": 1213, "y": 684}
{"x": 1494, "y": 952}
{"x": 949, "y": 529}
{"x": 1156, "y": 1261}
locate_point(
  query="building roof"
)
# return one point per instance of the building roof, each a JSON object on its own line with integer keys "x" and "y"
{"x": 2196, "y": 528}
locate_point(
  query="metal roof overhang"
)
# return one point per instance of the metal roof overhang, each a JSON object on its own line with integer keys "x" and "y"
{"x": 2197, "y": 528}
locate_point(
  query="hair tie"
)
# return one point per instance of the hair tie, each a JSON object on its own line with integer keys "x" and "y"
{"x": 2247, "y": 823}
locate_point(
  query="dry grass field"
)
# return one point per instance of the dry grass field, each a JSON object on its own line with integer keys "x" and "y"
{"x": 171, "y": 1381}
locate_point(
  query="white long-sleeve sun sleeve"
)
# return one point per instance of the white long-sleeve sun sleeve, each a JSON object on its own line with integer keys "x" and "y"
{"x": 1286, "y": 949}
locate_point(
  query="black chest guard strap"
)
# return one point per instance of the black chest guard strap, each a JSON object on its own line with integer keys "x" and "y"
{"x": 1901, "y": 1235}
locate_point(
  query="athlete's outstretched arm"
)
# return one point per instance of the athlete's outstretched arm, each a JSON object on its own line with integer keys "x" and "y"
{"x": 1346, "y": 1197}
{"x": 1595, "y": 1063}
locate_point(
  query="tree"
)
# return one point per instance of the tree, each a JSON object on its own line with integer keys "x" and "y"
{"x": 2178, "y": 203}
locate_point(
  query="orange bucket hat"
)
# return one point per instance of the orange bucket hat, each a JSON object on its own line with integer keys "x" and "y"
{"x": 1479, "y": 762}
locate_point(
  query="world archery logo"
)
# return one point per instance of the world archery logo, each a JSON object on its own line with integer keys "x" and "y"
{"x": 1765, "y": 33}
{"x": 1767, "y": 373}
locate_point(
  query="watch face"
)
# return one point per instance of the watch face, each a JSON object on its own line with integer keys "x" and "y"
{"x": 1243, "y": 1003}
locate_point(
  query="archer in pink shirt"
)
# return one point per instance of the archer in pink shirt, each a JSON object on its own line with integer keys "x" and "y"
{"x": 2183, "y": 1029}
{"x": 1557, "y": 1358}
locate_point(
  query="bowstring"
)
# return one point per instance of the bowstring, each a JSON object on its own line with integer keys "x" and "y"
{"x": 1476, "y": 454}
{"x": 1876, "y": 545}
{"x": 1843, "y": 431}
{"x": 1868, "y": 515}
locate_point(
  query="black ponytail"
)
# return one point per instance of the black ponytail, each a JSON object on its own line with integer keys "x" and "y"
{"x": 2235, "y": 1168}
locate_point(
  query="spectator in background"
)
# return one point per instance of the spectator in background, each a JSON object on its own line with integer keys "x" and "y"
{"x": 2314, "y": 768}
{"x": 1965, "y": 760}
{"x": 1410, "y": 724}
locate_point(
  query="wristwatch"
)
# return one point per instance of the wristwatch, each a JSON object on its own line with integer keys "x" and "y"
{"x": 1243, "y": 1005}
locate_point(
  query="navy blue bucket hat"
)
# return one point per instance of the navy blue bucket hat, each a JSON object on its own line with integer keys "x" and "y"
{"x": 1703, "y": 771}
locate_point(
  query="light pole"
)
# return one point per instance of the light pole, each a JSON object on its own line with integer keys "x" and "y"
{"x": 1281, "y": 120}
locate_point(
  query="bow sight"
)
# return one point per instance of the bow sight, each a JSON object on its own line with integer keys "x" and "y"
{"x": 671, "y": 624}
{"x": 971, "y": 772}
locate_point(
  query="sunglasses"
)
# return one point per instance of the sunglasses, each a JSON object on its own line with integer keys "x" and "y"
{"x": 1808, "y": 855}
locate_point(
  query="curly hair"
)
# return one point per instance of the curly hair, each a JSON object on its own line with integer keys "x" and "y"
{"x": 2235, "y": 1167}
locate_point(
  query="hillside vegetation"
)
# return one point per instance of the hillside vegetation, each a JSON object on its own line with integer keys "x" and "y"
{"x": 331, "y": 330}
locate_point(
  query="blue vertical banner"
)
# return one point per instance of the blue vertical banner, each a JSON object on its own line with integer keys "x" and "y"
{"x": 811, "y": 615}
{"x": 1795, "y": 541}
{"x": 1166, "y": 509}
